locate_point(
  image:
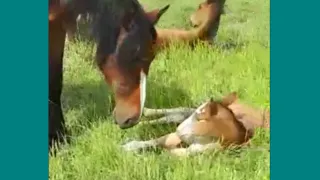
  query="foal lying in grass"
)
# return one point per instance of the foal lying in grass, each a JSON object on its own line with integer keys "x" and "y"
{"x": 206, "y": 20}
{"x": 212, "y": 125}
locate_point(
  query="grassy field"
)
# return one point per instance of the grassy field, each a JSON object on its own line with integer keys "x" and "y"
{"x": 179, "y": 76}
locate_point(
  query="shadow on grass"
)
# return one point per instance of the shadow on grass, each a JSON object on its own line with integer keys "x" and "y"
{"x": 84, "y": 104}
{"x": 162, "y": 96}
{"x": 229, "y": 45}
{"x": 91, "y": 102}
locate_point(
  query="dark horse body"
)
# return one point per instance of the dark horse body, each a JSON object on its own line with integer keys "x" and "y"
{"x": 57, "y": 35}
{"x": 125, "y": 36}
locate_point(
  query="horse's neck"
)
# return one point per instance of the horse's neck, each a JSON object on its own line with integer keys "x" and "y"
{"x": 166, "y": 36}
{"x": 204, "y": 28}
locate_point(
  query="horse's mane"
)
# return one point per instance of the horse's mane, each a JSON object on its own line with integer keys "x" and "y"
{"x": 107, "y": 19}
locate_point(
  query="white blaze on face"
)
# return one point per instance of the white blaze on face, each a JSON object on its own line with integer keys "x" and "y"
{"x": 184, "y": 130}
{"x": 143, "y": 90}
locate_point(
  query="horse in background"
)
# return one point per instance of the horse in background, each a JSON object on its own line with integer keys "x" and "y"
{"x": 124, "y": 34}
{"x": 209, "y": 12}
{"x": 205, "y": 20}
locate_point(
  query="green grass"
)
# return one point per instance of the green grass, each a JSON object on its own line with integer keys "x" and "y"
{"x": 179, "y": 76}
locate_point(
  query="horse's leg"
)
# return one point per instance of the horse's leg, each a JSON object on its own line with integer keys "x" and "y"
{"x": 166, "y": 111}
{"x": 173, "y": 115}
{"x": 168, "y": 141}
{"x": 57, "y": 36}
{"x": 168, "y": 119}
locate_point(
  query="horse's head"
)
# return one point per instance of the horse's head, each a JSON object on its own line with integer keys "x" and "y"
{"x": 208, "y": 12}
{"x": 126, "y": 68}
{"x": 125, "y": 37}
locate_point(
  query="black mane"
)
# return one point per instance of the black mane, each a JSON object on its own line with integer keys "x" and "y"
{"x": 108, "y": 17}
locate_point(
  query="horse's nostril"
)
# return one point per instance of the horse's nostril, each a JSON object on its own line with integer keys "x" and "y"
{"x": 130, "y": 122}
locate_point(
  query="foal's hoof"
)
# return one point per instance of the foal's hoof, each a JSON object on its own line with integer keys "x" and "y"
{"x": 133, "y": 146}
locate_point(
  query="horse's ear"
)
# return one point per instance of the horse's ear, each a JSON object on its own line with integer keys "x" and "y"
{"x": 144, "y": 7}
{"x": 155, "y": 15}
{"x": 229, "y": 99}
{"x": 221, "y": 2}
{"x": 55, "y": 11}
{"x": 57, "y": 8}
{"x": 213, "y": 108}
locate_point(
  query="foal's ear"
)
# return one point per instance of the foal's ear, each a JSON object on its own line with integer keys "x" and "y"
{"x": 213, "y": 108}
{"x": 210, "y": 1}
{"x": 155, "y": 15}
{"x": 229, "y": 99}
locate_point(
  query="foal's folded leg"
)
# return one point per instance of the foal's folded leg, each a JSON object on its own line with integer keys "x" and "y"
{"x": 167, "y": 141}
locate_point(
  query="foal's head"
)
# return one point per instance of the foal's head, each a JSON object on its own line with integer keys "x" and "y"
{"x": 215, "y": 111}
{"x": 220, "y": 121}
{"x": 209, "y": 12}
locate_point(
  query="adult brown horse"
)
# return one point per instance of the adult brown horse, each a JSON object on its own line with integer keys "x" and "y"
{"x": 206, "y": 20}
{"x": 124, "y": 35}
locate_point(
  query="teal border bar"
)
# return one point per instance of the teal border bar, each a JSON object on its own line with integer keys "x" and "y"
{"x": 24, "y": 90}
{"x": 294, "y": 90}
{"x": 295, "y": 84}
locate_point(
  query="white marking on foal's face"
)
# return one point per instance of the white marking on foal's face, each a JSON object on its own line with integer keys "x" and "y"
{"x": 203, "y": 110}
{"x": 184, "y": 130}
{"x": 143, "y": 90}
{"x": 200, "y": 109}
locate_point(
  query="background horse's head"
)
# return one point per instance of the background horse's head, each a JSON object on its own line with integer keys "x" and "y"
{"x": 209, "y": 13}
{"x": 125, "y": 36}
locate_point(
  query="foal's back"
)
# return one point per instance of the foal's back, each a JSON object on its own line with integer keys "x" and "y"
{"x": 251, "y": 118}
